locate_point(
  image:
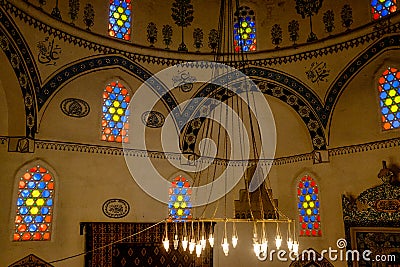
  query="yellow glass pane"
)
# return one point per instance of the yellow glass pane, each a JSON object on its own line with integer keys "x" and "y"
{"x": 392, "y": 92}
{"x": 116, "y": 103}
{"x": 176, "y": 205}
{"x": 241, "y": 30}
{"x": 245, "y": 36}
{"x": 111, "y": 110}
{"x": 248, "y": 30}
{"x": 34, "y": 210}
{"x": 40, "y": 202}
{"x": 120, "y": 10}
{"x": 388, "y": 102}
{"x": 180, "y": 212}
{"x": 397, "y": 99}
{"x": 311, "y": 204}
{"x": 180, "y": 198}
{"x": 116, "y": 15}
{"x": 120, "y": 111}
{"x": 115, "y": 118}
{"x": 308, "y": 212}
{"x": 120, "y": 22}
{"x": 124, "y": 17}
{"x": 305, "y": 205}
{"x": 29, "y": 202}
{"x": 35, "y": 193}
{"x": 183, "y": 205}
{"x": 308, "y": 197}
{"x": 244, "y": 24}
{"x": 394, "y": 108}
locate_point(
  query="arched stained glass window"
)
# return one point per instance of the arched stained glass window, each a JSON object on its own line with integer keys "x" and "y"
{"x": 35, "y": 205}
{"x": 115, "y": 124}
{"x": 308, "y": 206}
{"x": 389, "y": 90}
{"x": 179, "y": 204}
{"x": 382, "y": 8}
{"x": 119, "y": 22}
{"x": 244, "y": 31}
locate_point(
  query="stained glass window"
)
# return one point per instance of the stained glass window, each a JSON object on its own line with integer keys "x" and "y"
{"x": 389, "y": 90}
{"x": 119, "y": 22}
{"x": 382, "y": 8}
{"x": 115, "y": 124}
{"x": 308, "y": 206}
{"x": 244, "y": 31}
{"x": 179, "y": 204}
{"x": 35, "y": 205}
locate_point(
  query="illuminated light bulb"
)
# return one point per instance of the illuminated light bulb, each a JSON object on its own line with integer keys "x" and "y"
{"x": 192, "y": 245}
{"x": 290, "y": 244}
{"x": 203, "y": 242}
{"x": 176, "y": 242}
{"x": 278, "y": 241}
{"x": 295, "y": 247}
{"x": 211, "y": 240}
{"x": 166, "y": 244}
{"x": 234, "y": 241}
{"x": 264, "y": 246}
{"x": 225, "y": 246}
{"x": 184, "y": 243}
{"x": 257, "y": 249}
{"x": 198, "y": 249}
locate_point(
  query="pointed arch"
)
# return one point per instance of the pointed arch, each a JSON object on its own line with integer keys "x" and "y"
{"x": 382, "y": 8}
{"x": 309, "y": 207}
{"x": 34, "y": 204}
{"x": 115, "y": 126}
{"x": 244, "y": 30}
{"x": 389, "y": 94}
{"x": 119, "y": 19}
{"x": 180, "y": 193}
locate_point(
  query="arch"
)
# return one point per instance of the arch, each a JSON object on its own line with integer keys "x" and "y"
{"x": 382, "y": 8}
{"x": 244, "y": 30}
{"x": 389, "y": 98}
{"x": 119, "y": 19}
{"x": 308, "y": 206}
{"x": 115, "y": 113}
{"x": 35, "y": 197}
{"x": 180, "y": 192}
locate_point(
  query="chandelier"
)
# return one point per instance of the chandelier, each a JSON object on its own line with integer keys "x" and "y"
{"x": 195, "y": 234}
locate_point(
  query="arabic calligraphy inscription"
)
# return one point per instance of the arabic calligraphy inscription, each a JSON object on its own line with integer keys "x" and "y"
{"x": 49, "y": 52}
{"x": 318, "y": 72}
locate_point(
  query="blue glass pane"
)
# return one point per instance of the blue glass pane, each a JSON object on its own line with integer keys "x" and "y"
{"x": 25, "y": 193}
{"x": 32, "y": 228}
{"x": 28, "y": 219}
{"x": 23, "y": 210}
{"x": 39, "y": 219}
{"x": 42, "y": 185}
{"x": 46, "y": 193}
{"x": 37, "y": 177}
{"x": 44, "y": 210}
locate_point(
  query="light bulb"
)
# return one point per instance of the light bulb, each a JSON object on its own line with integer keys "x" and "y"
{"x": 211, "y": 240}
{"x": 290, "y": 244}
{"x": 203, "y": 242}
{"x": 295, "y": 247}
{"x": 225, "y": 246}
{"x": 198, "y": 249}
{"x": 176, "y": 242}
{"x": 264, "y": 246}
{"x": 278, "y": 241}
{"x": 234, "y": 241}
{"x": 192, "y": 245}
{"x": 184, "y": 243}
{"x": 166, "y": 244}
{"x": 257, "y": 249}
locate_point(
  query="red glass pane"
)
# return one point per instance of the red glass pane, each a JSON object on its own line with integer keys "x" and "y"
{"x": 21, "y": 184}
{"x": 46, "y": 236}
{"x": 22, "y": 228}
{"x": 50, "y": 185}
{"x": 27, "y": 176}
{"x": 46, "y": 177}
{"x": 16, "y": 237}
{"x": 42, "y": 170}
{"x": 26, "y": 236}
{"x": 36, "y": 236}
{"x": 33, "y": 169}
{"x": 314, "y": 233}
{"x": 18, "y": 219}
